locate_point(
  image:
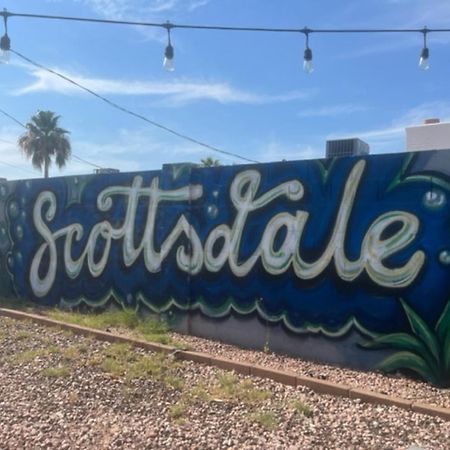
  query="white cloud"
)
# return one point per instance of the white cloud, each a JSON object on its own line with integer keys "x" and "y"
{"x": 391, "y": 138}
{"x": 418, "y": 114}
{"x": 13, "y": 164}
{"x": 126, "y": 150}
{"x": 332, "y": 111}
{"x": 176, "y": 92}
{"x": 419, "y": 13}
{"x": 404, "y": 14}
{"x": 134, "y": 150}
{"x": 121, "y": 9}
{"x": 276, "y": 150}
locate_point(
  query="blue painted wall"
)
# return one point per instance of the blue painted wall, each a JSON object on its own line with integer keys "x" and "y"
{"x": 327, "y": 247}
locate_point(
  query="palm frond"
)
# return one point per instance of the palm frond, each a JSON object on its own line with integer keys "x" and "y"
{"x": 45, "y": 140}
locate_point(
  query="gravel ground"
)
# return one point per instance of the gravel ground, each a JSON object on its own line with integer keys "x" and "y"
{"x": 397, "y": 385}
{"x": 59, "y": 390}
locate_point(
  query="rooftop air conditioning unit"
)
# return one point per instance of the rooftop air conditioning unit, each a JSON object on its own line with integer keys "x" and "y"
{"x": 346, "y": 147}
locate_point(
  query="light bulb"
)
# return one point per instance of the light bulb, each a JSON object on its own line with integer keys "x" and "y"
{"x": 5, "y": 45}
{"x": 424, "y": 59}
{"x": 307, "y": 61}
{"x": 168, "y": 59}
{"x": 4, "y": 56}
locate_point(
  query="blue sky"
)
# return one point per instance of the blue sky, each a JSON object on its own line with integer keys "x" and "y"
{"x": 243, "y": 92}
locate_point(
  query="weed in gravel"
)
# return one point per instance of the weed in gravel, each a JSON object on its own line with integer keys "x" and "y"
{"x": 146, "y": 328}
{"x": 199, "y": 392}
{"x": 22, "y": 335}
{"x": 113, "y": 366}
{"x": 250, "y": 394}
{"x": 301, "y": 408}
{"x": 174, "y": 382}
{"x": 120, "y": 352}
{"x": 178, "y": 411}
{"x": 126, "y": 318}
{"x": 83, "y": 348}
{"x": 70, "y": 353}
{"x": 119, "y": 359}
{"x": 28, "y": 355}
{"x": 56, "y": 372}
{"x": 226, "y": 384}
{"x": 114, "y": 359}
{"x": 147, "y": 367}
{"x": 267, "y": 419}
{"x": 229, "y": 387}
{"x": 95, "y": 360}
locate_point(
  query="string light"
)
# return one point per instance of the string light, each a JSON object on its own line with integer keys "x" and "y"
{"x": 168, "y": 53}
{"x": 425, "y": 53}
{"x": 307, "y": 57}
{"x": 5, "y": 42}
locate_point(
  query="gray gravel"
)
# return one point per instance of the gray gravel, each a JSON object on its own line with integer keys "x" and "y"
{"x": 57, "y": 392}
{"x": 396, "y": 385}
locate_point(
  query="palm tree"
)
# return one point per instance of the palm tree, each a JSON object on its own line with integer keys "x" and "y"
{"x": 44, "y": 140}
{"x": 209, "y": 162}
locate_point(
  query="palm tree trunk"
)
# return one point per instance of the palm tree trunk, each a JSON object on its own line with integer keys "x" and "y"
{"x": 46, "y": 164}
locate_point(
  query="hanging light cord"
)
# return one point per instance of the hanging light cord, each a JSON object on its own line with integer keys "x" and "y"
{"x": 132, "y": 113}
{"x": 304, "y": 30}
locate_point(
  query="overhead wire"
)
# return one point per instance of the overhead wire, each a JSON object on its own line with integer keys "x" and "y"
{"x": 132, "y": 113}
{"x": 17, "y": 167}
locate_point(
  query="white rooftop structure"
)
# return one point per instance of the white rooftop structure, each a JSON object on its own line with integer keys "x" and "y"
{"x": 431, "y": 135}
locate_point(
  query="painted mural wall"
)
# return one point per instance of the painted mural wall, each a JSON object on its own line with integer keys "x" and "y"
{"x": 348, "y": 255}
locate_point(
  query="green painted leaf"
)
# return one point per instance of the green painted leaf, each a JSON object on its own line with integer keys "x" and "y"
{"x": 443, "y": 324}
{"x": 411, "y": 361}
{"x": 422, "y": 330}
{"x": 446, "y": 355}
{"x": 404, "y": 341}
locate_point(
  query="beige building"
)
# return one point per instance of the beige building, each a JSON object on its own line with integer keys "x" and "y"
{"x": 431, "y": 135}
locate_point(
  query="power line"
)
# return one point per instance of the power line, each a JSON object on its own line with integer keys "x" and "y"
{"x": 17, "y": 167}
{"x": 12, "y": 118}
{"x": 24, "y": 126}
{"x": 86, "y": 162}
{"x": 132, "y": 113}
{"x": 166, "y": 25}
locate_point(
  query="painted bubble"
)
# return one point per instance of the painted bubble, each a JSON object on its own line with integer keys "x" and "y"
{"x": 444, "y": 257}
{"x": 28, "y": 184}
{"x": 3, "y": 233}
{"x": 215, "y": 194}
{"x": 212, "y": 211}
{"x": 13, "y": 209}
{"x": 434, "y": 199}
{"x": 3, "y": 190}
{"x": 19, "y": 232}
{"x": 10, "y": 261}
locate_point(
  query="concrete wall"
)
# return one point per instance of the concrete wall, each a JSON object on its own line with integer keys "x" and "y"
{"x": 325, "y": 259}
